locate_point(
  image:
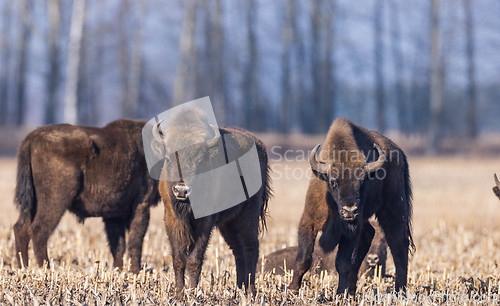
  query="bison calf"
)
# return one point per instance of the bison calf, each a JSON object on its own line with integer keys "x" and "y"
{"x": 239, "y": 225}
{"x": 496, "y": 189}
{"x": 321, "y": 261}
{"x": 92, "y": 172}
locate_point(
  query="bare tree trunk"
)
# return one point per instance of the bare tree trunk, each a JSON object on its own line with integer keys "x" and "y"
{"x": 328, "y": 79}
{"x": 219, "y": 59}
{"x": 471, "y": 118}
{"x": 75, "y": 42}
{"x": 253, "y": 119}
{"x": 315, "y": 99}
{"x": 399, "y": 68}
{"x": 186, "y": 70}
{"x": 379, "y": 66}
{"x": 124, "y": 55}
{"x": 437, "y": 80}
{"x": 286, "y": 38}
{"x": 134, "y": 81}
{"x": 4, "y": 76}
{"x": 54, "y": 74}
{"x": 300, "y": 95}
{"x": 22, "y": 63}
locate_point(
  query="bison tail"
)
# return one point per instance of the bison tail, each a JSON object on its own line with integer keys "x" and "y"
{"x": 266, "y": 195}
{"x": 25, "y": 192}
{"x": 408, "y": 194}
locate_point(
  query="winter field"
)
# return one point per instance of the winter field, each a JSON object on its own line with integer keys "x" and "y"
{"x": 456, "y": 231}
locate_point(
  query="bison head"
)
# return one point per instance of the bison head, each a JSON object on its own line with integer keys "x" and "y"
{"x": 346, "y": 177}
{"x": 191, "y": 131}
{"x": 496, "y": 189}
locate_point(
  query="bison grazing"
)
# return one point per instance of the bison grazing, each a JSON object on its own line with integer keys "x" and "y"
{"x": 239, "y": 225}
{"x": 92, "y": 172}
{"x": 376, "y": 257}
{"x": 496, "y": 189}
{"x": 359, "y": 173}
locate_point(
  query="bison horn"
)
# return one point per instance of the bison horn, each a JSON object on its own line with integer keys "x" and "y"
{"x": 158, "y": 134}
{"x": 497, "y": 181}
{"x": 374, "y": 166}
{"x": 320, "y": 169}
{"x": 212, "y": 142}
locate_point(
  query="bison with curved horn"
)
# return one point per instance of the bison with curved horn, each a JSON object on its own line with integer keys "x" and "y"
{"x": 238, "y": 225}
{"x": 357, "y": 174}
{"x": 496, "y": 189}
{"x": 92, "y": 172}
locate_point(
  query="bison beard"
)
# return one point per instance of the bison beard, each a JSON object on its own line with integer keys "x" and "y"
{"x": 92, "y": 172}
{"x": 339, "y": 203}
{"x": 238, "y": 225}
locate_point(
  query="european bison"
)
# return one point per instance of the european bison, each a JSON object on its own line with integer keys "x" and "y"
{"x": 321, "y": 261}
{"x": 496, "y": 189}
{"x": 352, "y": 182}
{"x": 239, "y": 225}
{"x": 92, "y": 172}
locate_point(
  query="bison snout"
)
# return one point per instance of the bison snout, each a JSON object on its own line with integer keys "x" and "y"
{"x": 372, "y": 259}
{"x": 349, "y": 213}
{"x": 181, "y": 191}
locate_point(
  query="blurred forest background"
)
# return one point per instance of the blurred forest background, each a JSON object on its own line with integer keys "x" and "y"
{"x": 428, "y": 68}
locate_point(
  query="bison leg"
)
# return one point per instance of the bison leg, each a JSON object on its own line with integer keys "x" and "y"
{"x": 307, "y": 237}
{"x": 195, "y": 258}
{"x": 233, "y": 238}
{"x": 179, "y": 262}
{"x": 44, "y": 223}
{"x": 115, "y": 230}
{"x": 251, "y": 250}
{"x": 364, "y": 243}
{"x": 398, "y": 238}
{"x": 344, "y": 262}
{"x": 22, "y": 235}
{"x": 138, "y": 227}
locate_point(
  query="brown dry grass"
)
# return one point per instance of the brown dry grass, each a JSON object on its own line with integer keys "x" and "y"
{"x": 455, "y": 229}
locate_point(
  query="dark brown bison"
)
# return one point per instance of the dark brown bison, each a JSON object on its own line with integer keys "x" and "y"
{"x": 92, "y": 172}
{"x": 496, "y": 189}
{"x": 239, "y": 225}
{"x": 321, "y": 261}
{"x": 359, "y": 173}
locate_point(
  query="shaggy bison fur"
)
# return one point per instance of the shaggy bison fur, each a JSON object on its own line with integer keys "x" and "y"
{"x": 92, "y": 172}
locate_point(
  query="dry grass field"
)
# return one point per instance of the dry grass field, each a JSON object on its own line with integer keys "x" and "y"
{"x": 456, "y": 231}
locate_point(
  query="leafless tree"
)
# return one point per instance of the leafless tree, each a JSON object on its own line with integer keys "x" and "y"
{"x": 437, "y": 80}
{"x": 287, "y": 39}
{"x": 251, "y": 101}
{"x": 328, "y": 82}
{"x": 471, "y": 117}
{"x": 26, "y": 26}
{"x": 316, "y": 69}
{"x": 72, "y": 72}
{"x": 399, "y": 67}
{"x": 134, "y": 76}
{"x": 379, "y": 76}
{"x": 187, "y": 68}
{"x": 5, "y": 50}
{"x": 54, "y": 72}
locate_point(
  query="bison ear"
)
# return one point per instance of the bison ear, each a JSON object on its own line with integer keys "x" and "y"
{"x": 496, "y": 191}
{"x": 215, "y": 139}
{"x": 321, "y": 176}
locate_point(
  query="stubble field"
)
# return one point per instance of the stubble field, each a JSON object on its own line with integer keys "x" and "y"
{"x": 456, "y": 232}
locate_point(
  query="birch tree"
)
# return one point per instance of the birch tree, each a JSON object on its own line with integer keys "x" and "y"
{"x": 72, "y": 74}
{"x": 54, "y": 73}
{"x": 437, "y": 80}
